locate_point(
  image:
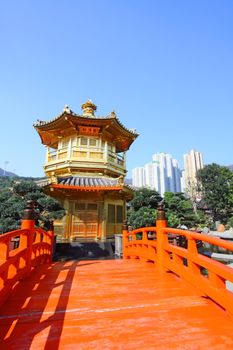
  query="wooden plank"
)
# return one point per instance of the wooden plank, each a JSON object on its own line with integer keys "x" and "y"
{"x": 116, "y": 304}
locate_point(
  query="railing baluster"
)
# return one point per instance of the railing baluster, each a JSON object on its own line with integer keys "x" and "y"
{"x": 28, "y": 223}
{"x": 16, "y": 263}
{"x": 192, "y": 252}
{"x": 144, "y": 236}
{"x": 4, "y": 250}
{"x": 184, "y": 259}
{"x": 162, "y": 240}
{"x": 51, "y": 238}
{"x": 216, "y": 281}
{"x": 125, "y": 239}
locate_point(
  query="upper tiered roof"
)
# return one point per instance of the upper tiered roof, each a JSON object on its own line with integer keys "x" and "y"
{"x": 69, "y": 123}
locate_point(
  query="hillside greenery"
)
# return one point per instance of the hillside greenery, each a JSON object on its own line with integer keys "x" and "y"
{"x": 14, "y": 194}
{"x": 179, "y": 210}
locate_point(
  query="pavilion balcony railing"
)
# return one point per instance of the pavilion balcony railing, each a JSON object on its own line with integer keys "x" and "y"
{"x": 116, "y": 158}
{"x": 159, "y": 245}
{"x": 98, "y": 154}
{"x": 23, "y": 250}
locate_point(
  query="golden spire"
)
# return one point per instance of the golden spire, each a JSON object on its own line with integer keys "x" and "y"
{"x": 89, "y": 108}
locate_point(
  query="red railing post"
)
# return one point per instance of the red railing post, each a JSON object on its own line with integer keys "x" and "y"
{"x": 51, "y": 233}
{"x": 4, "y": 250}
{"x": 192, "y": 252}
{"x": 28, "y": 223}
{"x": 161, "y": 236}
{"x": 124, "y": 238}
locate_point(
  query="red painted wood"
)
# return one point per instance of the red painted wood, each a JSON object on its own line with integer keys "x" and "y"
{"x": 34, "y": 246}
{"x": 111, "y": 304}
{"x": 187, "y": 262}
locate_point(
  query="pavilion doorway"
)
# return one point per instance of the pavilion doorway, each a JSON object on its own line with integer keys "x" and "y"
{"x": 85, "y": 221}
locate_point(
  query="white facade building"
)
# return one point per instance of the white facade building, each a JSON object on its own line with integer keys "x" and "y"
{"x": 177, "y": 176}
{"x": 138, "y": 177}
{"x": 193, "y": 161}
{"x": 162, "y": 174}
{"x": 182, "y": 181}
{"x": 151, "y": 175}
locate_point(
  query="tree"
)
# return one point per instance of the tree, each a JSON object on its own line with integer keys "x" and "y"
{"x": 142, "y": 208}
{"x": 230, "y": 222}
{"x": 179, "y": 210}
{"x": 193, "y": 192}
{"x": 144, "y": 197}
{"x": 13, "y": 198}
{"x": 143, "y": 217}
{"x": 217, "y": 188}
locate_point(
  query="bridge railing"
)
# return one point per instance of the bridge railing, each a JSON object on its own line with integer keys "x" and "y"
{"x": 22, "y": 250}
{"x": 159, "y": 245}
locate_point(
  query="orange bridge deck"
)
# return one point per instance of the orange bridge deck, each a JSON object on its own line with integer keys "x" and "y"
{"x": 110, "y": 304}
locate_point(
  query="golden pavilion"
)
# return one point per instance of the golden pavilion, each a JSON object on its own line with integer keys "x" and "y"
{"x": 86, "y": 168}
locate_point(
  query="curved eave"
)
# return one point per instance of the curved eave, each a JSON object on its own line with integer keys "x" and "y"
{"x": 68, "y": 123}
{"x": 90, "y": 188}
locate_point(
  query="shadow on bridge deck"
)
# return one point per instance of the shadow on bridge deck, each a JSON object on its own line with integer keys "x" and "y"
{"x": 110, "y": 304}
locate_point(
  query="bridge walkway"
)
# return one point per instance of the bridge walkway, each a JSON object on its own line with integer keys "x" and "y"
{"x": 110, "y": 304}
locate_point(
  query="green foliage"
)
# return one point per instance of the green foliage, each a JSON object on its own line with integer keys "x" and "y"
{"x": 142, "y": 217}
{"x": 230, "y": 222}
{"x": 173, "y": 220}
{"x": 142, "y": 208}
{"x": 179, "y": 210}
{"x": 13, "y": 198}
{"x": 5, "y": 182}
{"x": 27, "y": 190}
{"x": 145, "y": 197}
{"x": 216, "y": 184}
{"x": 50, "y": 208}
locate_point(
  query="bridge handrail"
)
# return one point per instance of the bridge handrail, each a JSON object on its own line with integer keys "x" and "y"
{"x": 188, "y": 234}
{"x": 200, "y": 237}
{"x": 206, "y": 274}
{"x": 21, "y": 251}
{"x": 139, "y": 230}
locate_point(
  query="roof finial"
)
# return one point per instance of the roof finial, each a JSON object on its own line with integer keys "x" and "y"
{"x": 67, "y": 109}
{"x": 89, "y": 108}
{"x": 113, "y": 114}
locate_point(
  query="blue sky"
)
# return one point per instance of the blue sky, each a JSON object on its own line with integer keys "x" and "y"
{"x": 165, "y": 67}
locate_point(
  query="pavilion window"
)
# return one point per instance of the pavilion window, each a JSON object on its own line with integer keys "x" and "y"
{"x": 84, "y": 141}
{"x": 88, "y": 141}
{"x": 65, "y": 143}
{"x": 91, "y": 206}
{"x": 111, "y": 147}
{"x": 111, "y": 214}
{"x": 79, "y": 206}
{"x": 115, "y": 214}
{"x": 119, "y": 214}
{"x": 93, "y": 142}
{"x": 74, "y": 142}
{"x": 82, "y": 206}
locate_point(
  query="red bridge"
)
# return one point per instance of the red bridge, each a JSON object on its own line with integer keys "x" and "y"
{"x": 160, "y": 296}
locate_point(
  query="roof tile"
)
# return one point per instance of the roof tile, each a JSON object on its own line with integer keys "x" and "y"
{"x": 88, "y": 181}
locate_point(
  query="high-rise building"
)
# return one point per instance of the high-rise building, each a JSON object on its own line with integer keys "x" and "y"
{"x": 138, "y": 177}
{"x": 193, "y": 161}
{"x": 151, "y": 175}
{"x": 162, "y": 174}
{"x": 182, "y": 181}
{"x": 177, "y": 176}
{"x": 168, "y": 173}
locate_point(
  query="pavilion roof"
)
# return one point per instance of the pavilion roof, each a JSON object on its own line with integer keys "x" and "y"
{"x": 90, "y": 183}
{"x": 69, "y": 123}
